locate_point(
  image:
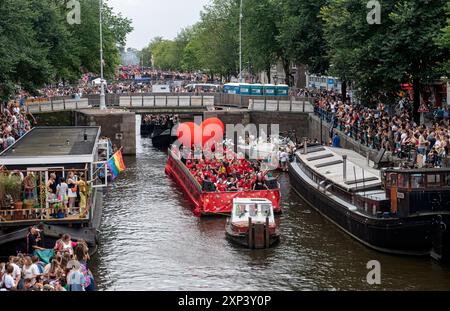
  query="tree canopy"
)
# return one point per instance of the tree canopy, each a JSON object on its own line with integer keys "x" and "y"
{"x": 378, "y": 58}
{"x": 39, "y": 46}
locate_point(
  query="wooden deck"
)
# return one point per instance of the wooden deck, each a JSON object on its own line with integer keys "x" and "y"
{"x": 328, "y": 162}
{"x": 11, "y": 217}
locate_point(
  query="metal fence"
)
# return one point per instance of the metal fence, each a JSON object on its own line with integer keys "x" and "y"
{"x": 359, "y": 133}
{"x": 57, "y": 105}
{"x": 165, "y": 101}
{"x": 286, "y": 105}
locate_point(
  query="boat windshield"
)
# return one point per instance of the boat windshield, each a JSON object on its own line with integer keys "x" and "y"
{"x": 244, "y": 211}
{"x": 266, "y": 210}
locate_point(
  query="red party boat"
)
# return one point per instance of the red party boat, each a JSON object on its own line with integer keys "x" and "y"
{"x": 214, "y": 203}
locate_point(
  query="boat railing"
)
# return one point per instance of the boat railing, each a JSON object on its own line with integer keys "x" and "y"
{"x": 175, "y": 154}
{"x": 43, "y": 214}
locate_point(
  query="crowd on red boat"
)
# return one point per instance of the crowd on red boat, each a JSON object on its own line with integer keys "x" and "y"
{"x": 64, "y": 268}
{"x": 223, "y": 175}
{"x": 395, "y": 132}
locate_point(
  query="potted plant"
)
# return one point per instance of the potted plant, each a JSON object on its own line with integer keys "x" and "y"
{"x": 13, "y": 187}
{"x": 3, "y": 200}
{"x": 28, "y": 204}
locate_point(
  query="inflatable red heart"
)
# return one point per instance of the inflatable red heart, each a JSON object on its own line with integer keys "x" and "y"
{"x": 187, "y": 133}
{"x": 213, "y": 131}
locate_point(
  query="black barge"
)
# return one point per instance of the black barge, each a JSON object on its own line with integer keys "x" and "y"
{"x": 396, "y": 211}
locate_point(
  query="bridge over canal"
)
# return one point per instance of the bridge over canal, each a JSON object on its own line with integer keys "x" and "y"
{"x": 119, "y": 121}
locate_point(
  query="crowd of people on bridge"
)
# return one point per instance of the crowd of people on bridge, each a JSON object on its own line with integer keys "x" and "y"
{"x": 157, "y": 76}
{"x": 395, "y": 132}
{"x": 131, "y": 79}
{"x": 14, "y": 124}
{"x": 62, "y": 268}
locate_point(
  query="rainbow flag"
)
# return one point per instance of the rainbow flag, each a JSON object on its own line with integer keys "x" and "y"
{"x": 118, "y": 160}
{"x": 116, "y": 164}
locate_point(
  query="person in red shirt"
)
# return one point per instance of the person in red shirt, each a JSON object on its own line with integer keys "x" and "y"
{"x": 240, "y": 184}
{"x": 189, "y": 164}
{"x": 201, "y": 165}
{"x": 221, "y": 186}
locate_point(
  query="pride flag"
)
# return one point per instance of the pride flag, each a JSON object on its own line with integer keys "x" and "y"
{"x": 116, "y": 164}
{"x": 118, "y": 160}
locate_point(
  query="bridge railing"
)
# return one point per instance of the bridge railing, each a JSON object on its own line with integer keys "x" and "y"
{"x": 57, "y": 105}
{"x": 277, "y": 105}
{"x": 166, "y": 101}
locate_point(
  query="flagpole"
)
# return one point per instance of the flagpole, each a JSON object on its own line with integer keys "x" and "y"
{"x": 102, "y": 84}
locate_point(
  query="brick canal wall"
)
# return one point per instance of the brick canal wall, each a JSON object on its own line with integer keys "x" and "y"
{"x": 62, "y": 118}
{"x": 286, "y": 120}
{"x": 119, "y": 126}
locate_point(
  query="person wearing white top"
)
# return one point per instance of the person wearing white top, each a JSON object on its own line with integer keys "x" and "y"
{"x": 7, "y": 281}
{"x": 29, "y": 270}
{"x": 17, "y": 272}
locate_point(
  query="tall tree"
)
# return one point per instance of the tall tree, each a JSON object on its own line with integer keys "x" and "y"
{"x": 378, "y": 58}
{"x": 260, "y": 32}
{"x": 38, "y": 46}
{"x": 302, "y": 35}
{"x": 444, "y": 41}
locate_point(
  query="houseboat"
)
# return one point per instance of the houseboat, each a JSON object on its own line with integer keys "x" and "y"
{"x": 205, "y": 199}
{"x": 252, "y": 224}
{"x": 397, "y": 211}
{"x": 30, "y": 171}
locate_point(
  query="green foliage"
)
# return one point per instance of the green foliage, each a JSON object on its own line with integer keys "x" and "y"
{"x": 378, "y": 58}
{"x": 212, "y": 45}
{"x": 38, "y": 46}
{"x": 444, "y": 40}
{"x": 260, "y": 32}
{"x": 12, "y": 186}
{"x": 301, "y": 34}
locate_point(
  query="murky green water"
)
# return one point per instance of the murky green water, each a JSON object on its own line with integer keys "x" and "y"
{"x": 151, "y": 241}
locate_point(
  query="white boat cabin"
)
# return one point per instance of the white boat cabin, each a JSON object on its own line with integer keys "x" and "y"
{"x": 256, "y": 209}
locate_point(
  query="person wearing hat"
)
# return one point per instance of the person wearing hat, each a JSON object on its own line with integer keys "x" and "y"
{"x": 33, "y": 240}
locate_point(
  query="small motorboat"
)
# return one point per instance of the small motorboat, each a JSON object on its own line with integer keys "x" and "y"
{"x": 252, "y": 223}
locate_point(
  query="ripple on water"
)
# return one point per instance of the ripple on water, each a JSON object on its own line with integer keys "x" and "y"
{"x": 151, "y": 241}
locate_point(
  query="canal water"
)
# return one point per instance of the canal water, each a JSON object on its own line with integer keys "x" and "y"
{"x": 150, "y": 240}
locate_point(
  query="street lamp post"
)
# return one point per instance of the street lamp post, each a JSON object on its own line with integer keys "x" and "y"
{"x": 102, "y": 82}
{"x": 240, "y": 43}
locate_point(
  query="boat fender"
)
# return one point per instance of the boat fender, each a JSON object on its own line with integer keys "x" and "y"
{"x": 440, "y": 224}
{"x": 96, "y": 238}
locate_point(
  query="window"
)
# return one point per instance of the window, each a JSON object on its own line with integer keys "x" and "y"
{"x": 387, "y": 177}
{"x": 253, "y": 210}
{"x": 265, "y": 210}
{"x": 448, "y": 179}
{"x": 433, "y": 180}
{"x": 403, "y": 181}
{"x": 417, "y": 181}
{"x": 240, "y": 210}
